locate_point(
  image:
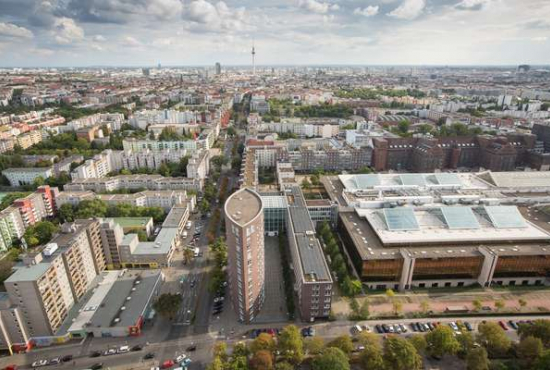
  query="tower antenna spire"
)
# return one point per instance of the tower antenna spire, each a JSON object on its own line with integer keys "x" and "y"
{"x": 253, "y": 59}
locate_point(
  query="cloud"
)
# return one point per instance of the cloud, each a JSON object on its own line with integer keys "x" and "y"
{"x": 99, "y": 38}
{"x": 539, "y": 39}
{"x": 131, "y": 41}
{"x": 122, "y": 11}
{"x": 11, "y": 30}
{"x": 538, "y": 25}
{"x": 66, "y": 31}
{"x": 409, "y": 9}
{"x": 369, "y": 11}
{"x": 473, "y": 4}
{"x": 314, "y": 6}
{"x": 204, "y": 16}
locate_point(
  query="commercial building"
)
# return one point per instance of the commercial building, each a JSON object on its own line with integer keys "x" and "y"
{"x": 426, "y": 155}
{"x": 119, "y": 304}
{"x": 26, "y": 175}
{"x": 443, "y": 229}
{"x": 244, "y": 224}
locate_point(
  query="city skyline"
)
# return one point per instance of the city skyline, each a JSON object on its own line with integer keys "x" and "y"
{"x": 345, "y": 32}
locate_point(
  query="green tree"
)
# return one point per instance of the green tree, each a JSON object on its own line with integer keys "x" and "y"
{"x": 529, "y": 350}
{"x": 342, "y": 342}
{"x": 390, "y": 293}
{"x": 262, "y": 360}
{"x": 400, "y": 354}
{"x": 499, "y": 304}
{"x": 425, "y": 306}
{"x": 306, "y": 184}
{"x": 314, "y": 345}
{"x": 263, "y": 342}
{"x": 164, "y": 170}
{"x": 331, "y": 359}
{"x": 493, "y": 338}
{"x": 543, "y": 363}
{"x": 168, "y": 305}
{"x": 351, "y": 287}
{"x": 240, "y": 350}
{"x": 466, "y": 341}
{"x": 397, "y": 307}
{"x": 419, "y": 342}
{"x": 220, "y": 350}
{"x": 290, "y": 344}
{"x": 477, "y": 359}
{"x": 368, "y": 339}
{"x": 441, "y": 341}
{"x": 216, "y": 364}
{"x": 540, "y": 329}
{"x": 237, "y": 363}
{"x": 371, "y": 358}
{"x": 284, "y": 366}
{"x": 40, "y": 233}
{"x": 477, "y": 304}
{"x": 91, "y": 208}
{"x": 142, "y": 236}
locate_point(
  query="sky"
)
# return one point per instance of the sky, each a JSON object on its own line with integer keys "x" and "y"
{"x": 67, "y": 33}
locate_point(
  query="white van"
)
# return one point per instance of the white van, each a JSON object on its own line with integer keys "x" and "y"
{"x": 197, "y": 251}
{"x": 188, "y": 225}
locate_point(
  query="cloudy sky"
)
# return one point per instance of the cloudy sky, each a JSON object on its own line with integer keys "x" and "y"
{"x": 201, "y": 32}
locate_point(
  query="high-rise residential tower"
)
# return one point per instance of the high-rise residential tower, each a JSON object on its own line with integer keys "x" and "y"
{"x": 244, "y": 225}
{"x": 218, "y": 68}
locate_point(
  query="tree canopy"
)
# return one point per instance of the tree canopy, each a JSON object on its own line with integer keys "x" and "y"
{"x": 331, "y": 359}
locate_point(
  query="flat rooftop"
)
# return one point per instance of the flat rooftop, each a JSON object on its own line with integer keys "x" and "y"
{"x": 456, "y": 224}
{"x": 243, "y": 206}
{"x": 174, "y": 217}
{"x": 517, "y": 179}
{"x": 132, "y": 221}
{"x": 162, "y": 244}
{"x": 119, "y": 300}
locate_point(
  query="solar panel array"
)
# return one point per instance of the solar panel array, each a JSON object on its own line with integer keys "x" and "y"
{"x": 400, "y": 219}
{"x": 505, "y": 217}
{"x": 460, "y": 218}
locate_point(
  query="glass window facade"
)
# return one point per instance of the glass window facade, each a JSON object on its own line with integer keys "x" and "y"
{"x": 447, "y": 268}
{"x": 522, "y": 266}
{"x": 382, "y": 270}
{"x": 274, "y": 219}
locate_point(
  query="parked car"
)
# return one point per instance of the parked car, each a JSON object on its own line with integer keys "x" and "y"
{"x": 137, "y": 347}
{"x": 503, "y": 325}
{"x": 308, "y": 332}
{"x": 167, "y": 364}
{"x": 97, "y": 366}
{"x": 356, "y": 329}
{"x": 403, "y": 328}
{"x": 149, "y": 356}
{"x": 181, "y": 357}
{"x": 191, "y": 348}
{"x": 110, "y": 352}
{"x": 468, "y": 326}
{"x": 385, "y": 328}
{"x": 513, "y": 324}
{"x": 378, "y": 329}
{"x": 40, "y": 363}
{"x": 95, "y": 354}
{"x": 218, "y": 299}
{"x": 123, "y": 349}
{"x": 67, "y": 358}
{"x": 55, "y": 361}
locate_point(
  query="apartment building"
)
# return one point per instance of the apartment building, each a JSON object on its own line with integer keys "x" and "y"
{"x": 244, "y": 222}
{"x": 93, "y": 233}
{"x": 26, "y": 175}
{"x": 149, "y": 159}
{"x": 99, "y": 166}
{"x": 11, "y": 227}
{"x": 49, "y": 282}
{"x": 198, "y": 166}
{"x": 134, "y": 182}
{"x": 313, "y": 282}
{"x": 111, "y": 238}
{"x": 28, "y": 139}
{"x": 138, "y": 145}
{"x": 32, "y": 209}
{"x": 41, "y": 288}
{"x": 14, "y": 334}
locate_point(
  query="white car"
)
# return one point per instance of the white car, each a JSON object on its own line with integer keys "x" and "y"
{"x": 109, "y": 352}
{"x": 218, "y": 299}
{"x": 181, "y": 357}
{"x": 123, "y": 349}
{"x": 39, "y": 363}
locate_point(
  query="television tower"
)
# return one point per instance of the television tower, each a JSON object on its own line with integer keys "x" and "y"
{"x": 253, "y": 59}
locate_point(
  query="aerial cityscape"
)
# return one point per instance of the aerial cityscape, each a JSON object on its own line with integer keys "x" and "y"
{"x": 275, "y": 185}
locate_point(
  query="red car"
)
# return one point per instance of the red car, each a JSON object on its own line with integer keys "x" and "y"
{"x": 503, "y": 325}
{"x": 167, "y": 364}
